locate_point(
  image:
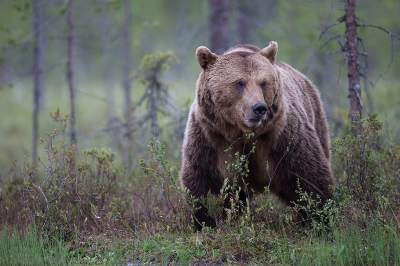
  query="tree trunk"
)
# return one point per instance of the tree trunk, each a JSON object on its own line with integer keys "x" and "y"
{"x": 152, "y": 91}
{"x": 126, "y": 81}
{"x": 219, "y": 25}
{"x": 70, "y": 74}
{"x": 107, "y": 65}
{"x": 352, "y": 60}
{"x": 37, "y": 72}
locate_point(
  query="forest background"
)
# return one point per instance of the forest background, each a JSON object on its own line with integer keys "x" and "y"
{"x": 180, "y": 27}
{"x": 125, "y": 72}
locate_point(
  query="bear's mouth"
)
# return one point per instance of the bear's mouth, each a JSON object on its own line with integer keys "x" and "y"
{"x": 252, "y": 121}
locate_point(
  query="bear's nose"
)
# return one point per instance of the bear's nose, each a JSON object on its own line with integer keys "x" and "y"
{"x": 260, "y": 109}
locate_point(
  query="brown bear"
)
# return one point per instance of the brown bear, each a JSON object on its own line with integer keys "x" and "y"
{"x": 246, "y": 90}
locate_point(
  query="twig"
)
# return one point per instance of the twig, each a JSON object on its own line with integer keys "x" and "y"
{"x": 326, "y": 28}
{"x": 46, "y": 207}
{"x": 392, "y": 37}
{"x": 380, "y": 28}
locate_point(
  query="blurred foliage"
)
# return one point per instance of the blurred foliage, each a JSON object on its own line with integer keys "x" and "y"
{"x": 181, "y": 26}
{"x": 157, "y": 62}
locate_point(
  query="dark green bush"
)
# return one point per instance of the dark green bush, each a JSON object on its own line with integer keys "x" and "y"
{"x": 367, "y": 172}
{"x": 64, "y": 194}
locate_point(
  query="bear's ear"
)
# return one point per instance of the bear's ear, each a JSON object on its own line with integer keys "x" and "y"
{"x": 205, "y": 57}
{"x": 270, "y": 51}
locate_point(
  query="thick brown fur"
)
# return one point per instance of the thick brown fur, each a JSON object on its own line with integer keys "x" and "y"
{"x": 291, "y": 138}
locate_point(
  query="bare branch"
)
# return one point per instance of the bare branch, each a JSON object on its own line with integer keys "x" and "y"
{"x": 46, "y": 203}
{"x": 329, "y": 40}
{"x": 338, "y": 51}
{"x": 392, "y": 36}
{"x": 338, "y": 39}
{"x": 326, "y": 28}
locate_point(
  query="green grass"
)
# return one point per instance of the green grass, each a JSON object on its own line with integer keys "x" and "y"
{"x": 29, "y": 248}
{"x": 258, "y": 244}
{"x": 375, "y": 245}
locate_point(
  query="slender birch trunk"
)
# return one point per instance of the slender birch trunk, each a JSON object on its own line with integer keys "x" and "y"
{"x": 70, "y": 73}
{"x": 126, "y": 81}
{"x": 37, "y": 72}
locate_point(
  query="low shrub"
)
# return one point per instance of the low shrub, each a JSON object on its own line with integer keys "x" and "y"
{"x": 104, "y": 215}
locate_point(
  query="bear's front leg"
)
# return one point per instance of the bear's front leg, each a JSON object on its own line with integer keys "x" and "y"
{"x": 303, "y": 170}
{"x": 199, "y": 172}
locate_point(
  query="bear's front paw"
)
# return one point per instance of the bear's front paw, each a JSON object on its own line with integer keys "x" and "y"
{"x": 202, "y": 218}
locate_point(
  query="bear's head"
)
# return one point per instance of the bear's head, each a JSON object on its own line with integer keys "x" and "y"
{"x": 239, "y": 90}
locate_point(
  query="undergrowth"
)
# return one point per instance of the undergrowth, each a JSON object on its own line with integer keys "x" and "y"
{"x": 80, "y": 208}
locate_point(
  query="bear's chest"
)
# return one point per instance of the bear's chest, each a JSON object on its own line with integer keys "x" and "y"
{"x": 249, "y": 164}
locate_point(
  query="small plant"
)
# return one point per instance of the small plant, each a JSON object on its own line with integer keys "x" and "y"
{"x": 165, "y": 202}
{"x": 320, "y": 215}
{"x": 239, "y": 197}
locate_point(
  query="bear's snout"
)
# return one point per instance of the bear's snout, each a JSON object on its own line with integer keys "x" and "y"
{"x": 253, "y": 115}
{"x": 260, "y": 109}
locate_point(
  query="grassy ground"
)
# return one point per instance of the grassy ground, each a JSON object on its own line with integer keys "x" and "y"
{"x": 253, "y": 244}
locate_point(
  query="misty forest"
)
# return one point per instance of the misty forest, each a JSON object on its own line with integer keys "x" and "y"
{"x": 94, "y": 100}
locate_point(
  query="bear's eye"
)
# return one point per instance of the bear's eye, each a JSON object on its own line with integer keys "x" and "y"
{"x": 240, "y": 85}
{"x": 263, "y": 85}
